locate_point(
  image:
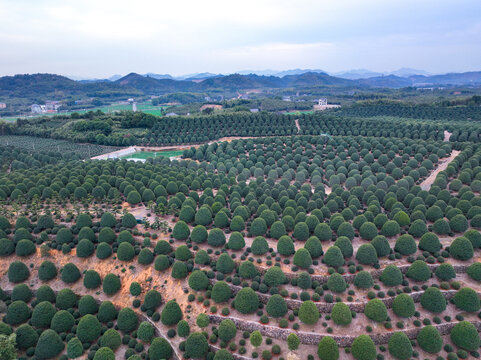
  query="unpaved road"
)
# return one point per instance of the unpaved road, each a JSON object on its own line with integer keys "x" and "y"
{"x": 426, "y": 184}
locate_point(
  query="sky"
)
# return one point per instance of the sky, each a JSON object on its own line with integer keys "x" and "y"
{"x": 99, "y": 38}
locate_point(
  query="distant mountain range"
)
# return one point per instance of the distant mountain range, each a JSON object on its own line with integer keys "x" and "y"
{"x": 55, "y": 87}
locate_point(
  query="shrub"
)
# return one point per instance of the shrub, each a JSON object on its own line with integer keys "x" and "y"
{"x": 419, "y": 271}
{"x": 181, "y": 231}
{"x": 391, "y": 276}
{"x": 390, "y": 228}
{"x": 259, "y": 246}
{"x": 66, "y": 299}
{"x": 223, "y": 354}
{"x": 366, "y": 255}
{"x": 304, "y": 280}
{"x": 26, "y": 337}
{"x": 85, "y": 248}
{"x": 42, "y": 315}
{"x": 133, "y": 197}
{"x": 418, "y": 228}
{"x": 458, "y": 223}
{"x": 430, "y": 340}
{"x": 246, "y": 301}
{"x": 179, "y": 270}
{"x": 403, "y": 306}
{"x": 25, "y": 248}
{"x": 441, "y": 227}
{"x": 376, "y": 310}
{"x": 405, "y": 245}
{"x": 182, "y": 253}
{"x": 45, "y": 293}
{"x": 221, "y": 292}
{"x": 87, "y": 305}
{"x": 145, "y": 257}
{"x": 161, "y": 263}
{"x": 363, "y": 348}
{"x": 18, "y": 272}
{"x": 236, "y": 241}
{"x": 107, "y": 235}
{"x": 18, "y": 312}
{"x": 62, "y": 321}
{"x": 285, "y": 246}
{"x": 256, "y": 338}
{"x": 302, "y": 258}
{"x": 125, "y": 236}
{"x": 111, "y": 284}
{"x": 465, "y": 335}
{"x": 301, "y": 231}
{"x": 74, "y": 348}
{"x": 308, "y": 313}
{"x": 126, "y": 320}
{"x": 313, "y": 245}
{"x": 103, "y": 251}
{"x": 49, "y": 345}
{"x": 198, "y": 281}
{"x": 145, "y": 332}
{"x": 64, "y": 236}
{"x": 323, "y": 232}
{"x": 171, "y": 313}
{"x": 47, "y": 271}
{"x": 7, "y": 247}
{"x": 341, "y": 314}
{"x": 227, "y": 330}
{"x": 203, "y": 216}
{"x": 327, "y": 349}
{"x": 368, "y": 231}
{"x": 293, "y": 342}
{"x": 400, "y": 346}
{"x": 274, "y": 276}
{"x": 86, "y": 233}
{"x": 276, "y": 306}
{"x": 21, "y": 292}
{"x": 216, "y": 237}
{"x": 160, "y": 349}
{"x": 221, "y": 220}
{"x": 202, "y": 320}
{"x": 336, "y": 283}
{"x": 474, "y": 271}
{"x": 225, "y": 264}
{"x": 445, "y": 272}
{"x": 258, "y": 227}
{"x": 105, "y": 353}
{"x": 433, "y": 300}
{"x": 199, "y": 234}
{"x": 125, "y": 251}
{"x": 345, "y": 245}
{"x": 237, "y": 224}
{"x": 363, "y": 280}
{"x": 467, "y": 300}
{"x": 152, "y": 299}
{"x": 88, "y": 328}
{"x": 474, "y": 236}
{"x": 461, "y": 248}
{"x": 333, "y": 257}
{"x": 345, "y": 229}
{"x": 70, "y": 273}
{"x": 430, "y": 242}
{"x": 196, "y": 345}
{"x": 129, "y": 221}
{"x": 202, "y": 258}
{"x": 183, "y": 328}
{"x": 162, "y": 248}
{"x": 111, "y": 339}
{"x": 107, "y": 312}
{"x": 278, "y": 229}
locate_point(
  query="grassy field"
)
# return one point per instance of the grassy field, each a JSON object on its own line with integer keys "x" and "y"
{"x": 149, "y": 154}
{"x": 146, "y": 107}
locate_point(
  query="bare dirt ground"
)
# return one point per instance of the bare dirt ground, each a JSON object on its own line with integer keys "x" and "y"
{"x": 447, "y": 135}
{"x": 298, "y": 126}
{"x": 426, "y": 184}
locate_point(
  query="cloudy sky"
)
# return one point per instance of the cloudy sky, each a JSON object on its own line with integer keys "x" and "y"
{"x": 99, "y": 38}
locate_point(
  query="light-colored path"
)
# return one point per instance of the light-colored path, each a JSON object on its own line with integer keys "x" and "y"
{"x": 298, "y": 126}
{"x": 426, "y": 184}
{"x": 447, "y": 135}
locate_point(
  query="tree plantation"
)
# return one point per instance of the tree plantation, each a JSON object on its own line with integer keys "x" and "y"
{"x": 349, "y": 234}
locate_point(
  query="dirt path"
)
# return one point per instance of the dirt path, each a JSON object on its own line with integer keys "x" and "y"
{"x": 426, "y": 184}
{"x": 447, "y": 135}
{"x": 298, "y": 126}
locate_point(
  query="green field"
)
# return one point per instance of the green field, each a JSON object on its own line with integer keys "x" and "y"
{"x": 145, "y": 107}
{"x": 149, "y": 154}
